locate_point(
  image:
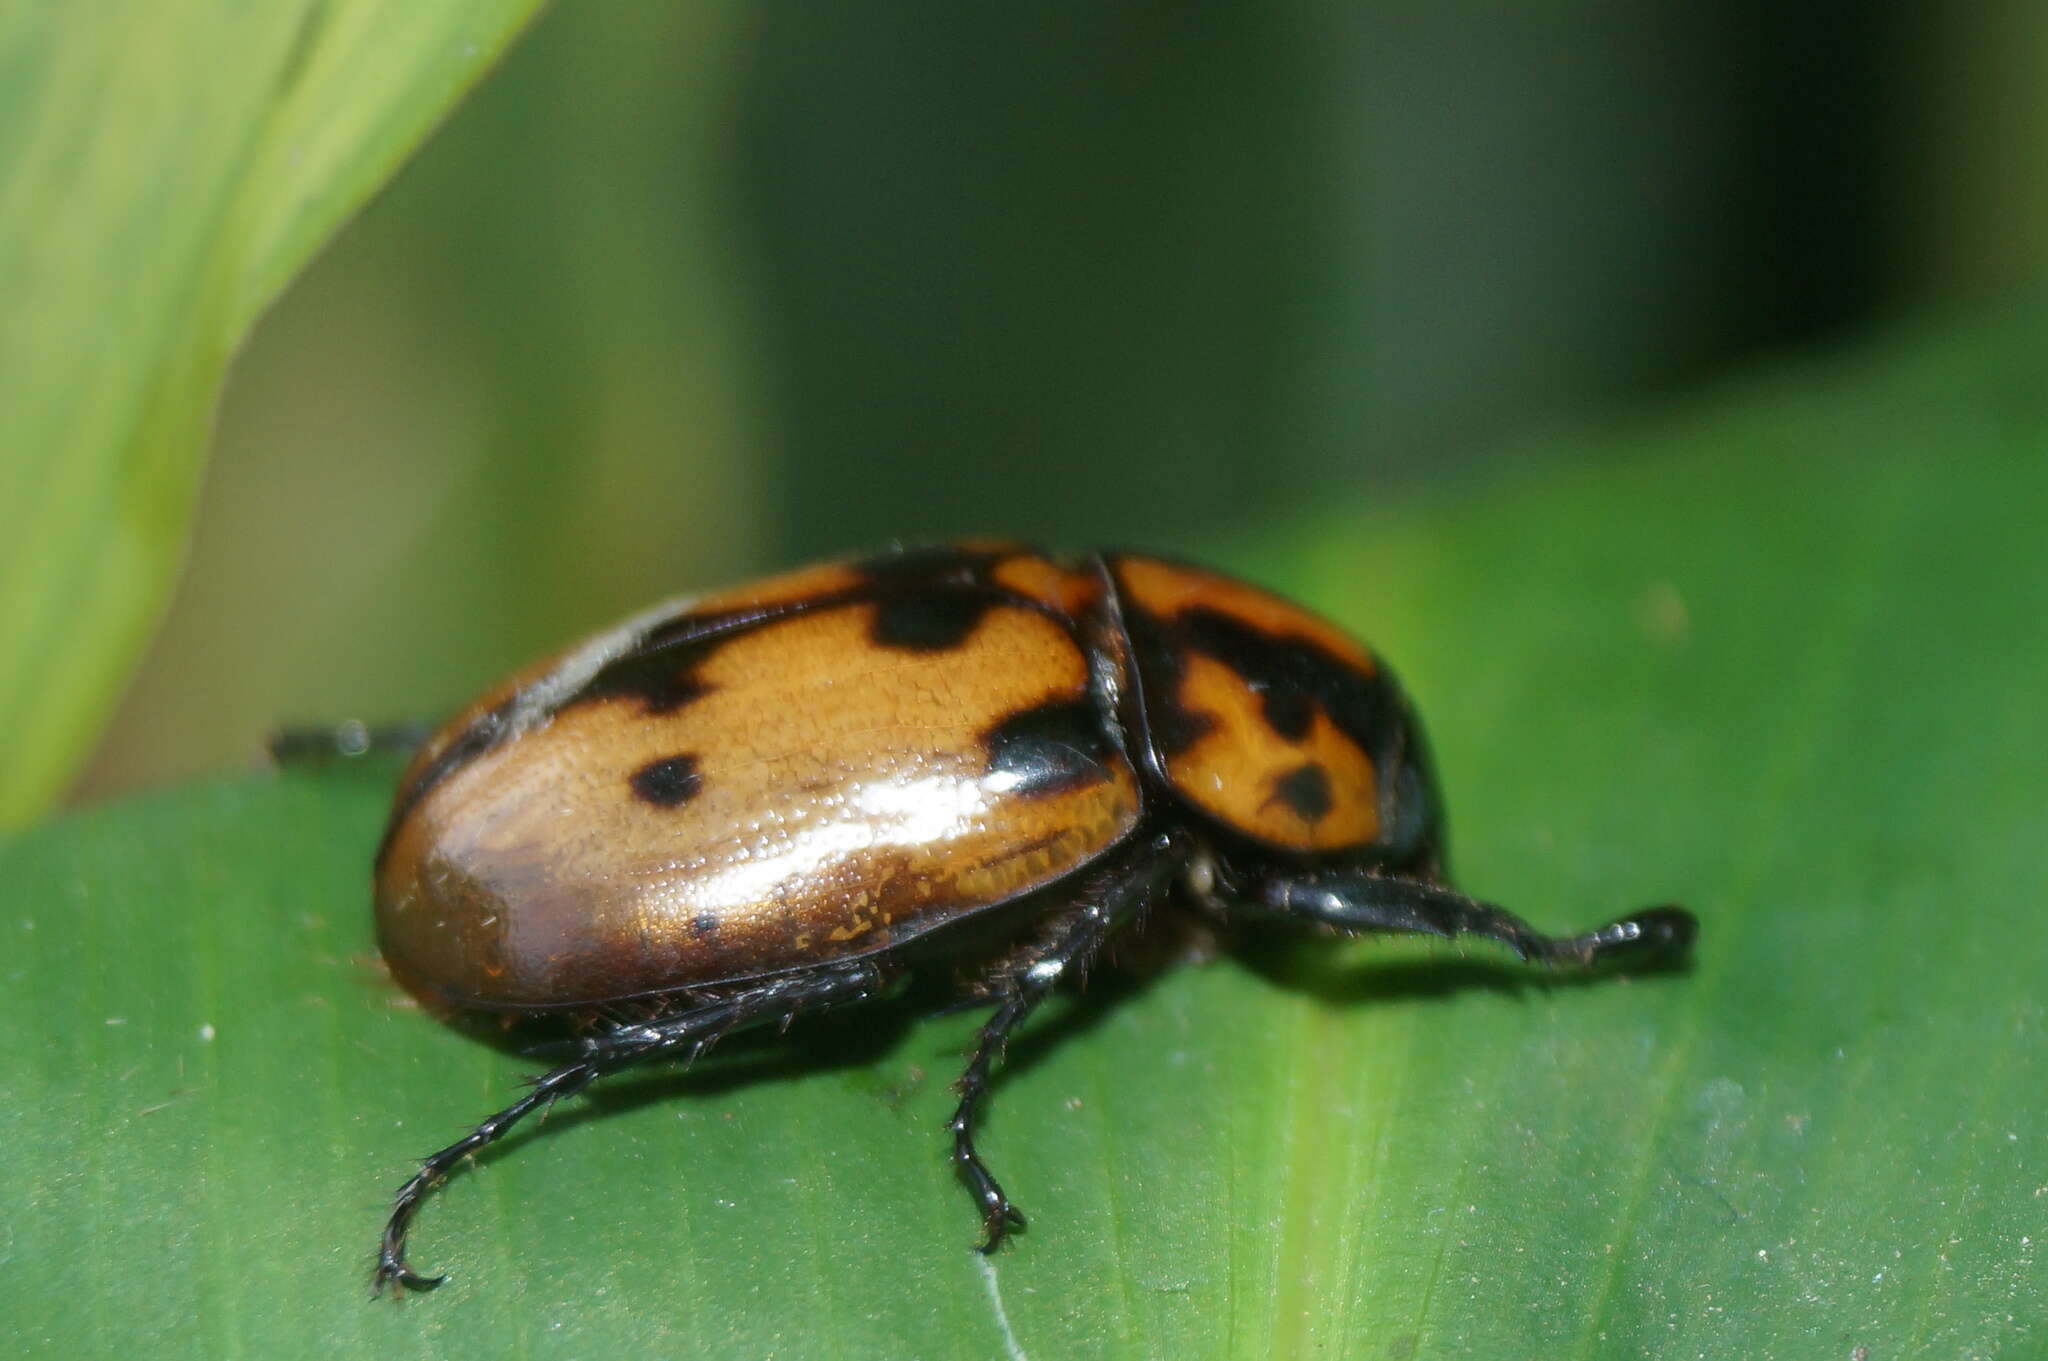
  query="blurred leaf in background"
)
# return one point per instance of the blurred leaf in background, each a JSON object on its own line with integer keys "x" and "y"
{"x": 514, "y": 399}
{"x": 164, "y": 170}
{"x": 689, "y": 291}
{"x": 1965, "y": 194}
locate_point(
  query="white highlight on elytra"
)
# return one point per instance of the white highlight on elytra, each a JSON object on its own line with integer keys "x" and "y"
{"x": 877, "y": 814}
{"x": 919, "y": 812}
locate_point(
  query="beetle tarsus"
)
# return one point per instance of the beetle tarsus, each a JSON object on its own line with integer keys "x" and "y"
{"x": 395, "y": 1276}
{"x": 1651, "y": 936}
{"x": 606, "y": 1053}
{"x": 393, "y": 1272}
{"x": 996, "y": 1210}
{"x": 1111, "y": 900}
{"x": 398, "y": 1278}
{"x": 1353, "y": 900}
{"x": 997, "y": 1225}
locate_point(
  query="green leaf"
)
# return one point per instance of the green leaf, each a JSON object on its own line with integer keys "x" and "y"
{"x": 164, "y": 169}
{"x": 1780, "y": 659}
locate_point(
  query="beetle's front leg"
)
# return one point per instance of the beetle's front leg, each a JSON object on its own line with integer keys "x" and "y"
{"x": 1359, "y": 900}
{"x": 1109, "y": 900}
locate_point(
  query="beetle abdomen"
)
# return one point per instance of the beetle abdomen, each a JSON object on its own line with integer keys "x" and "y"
{"x": 828, "y": 782}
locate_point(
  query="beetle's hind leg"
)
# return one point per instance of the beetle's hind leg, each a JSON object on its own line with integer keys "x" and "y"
{"x": 1107, "y": 901}
{"x": 1357, "y": 900}
{"x": 686, "y": 1032}
{"x": 302, "y": 744}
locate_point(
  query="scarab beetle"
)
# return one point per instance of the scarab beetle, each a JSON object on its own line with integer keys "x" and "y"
{"x": 780, "y": 798}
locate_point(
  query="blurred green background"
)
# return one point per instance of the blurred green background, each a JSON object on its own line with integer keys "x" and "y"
{"x": 687, "y": 291}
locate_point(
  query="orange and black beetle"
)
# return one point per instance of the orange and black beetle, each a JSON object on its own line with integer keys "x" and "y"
{"x": 781, "y": 797}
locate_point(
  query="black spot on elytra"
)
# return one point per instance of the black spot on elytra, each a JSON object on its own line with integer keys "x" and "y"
{"x": 1169, "y": 728}
{"x": 1286, "y": 711}
{"x": 1050, "y": 749}
{"x": 662, "y": 680}
{"x": 1294, "y": 677}
{"x": 929, "y": 619}
{"x": 1306, "y": 789}
{"x": 704, "y": 924}
{"x": 669, "y": 782}
{"x": 1175, "y": 728}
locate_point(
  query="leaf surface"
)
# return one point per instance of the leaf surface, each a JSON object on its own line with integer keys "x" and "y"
{"x": 1778, "y": 657}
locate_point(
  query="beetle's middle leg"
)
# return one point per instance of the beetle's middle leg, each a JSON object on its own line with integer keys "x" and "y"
{"x": 691, "y": 1030}
{"x": 1110, "y": 899}
{"x": 1360, "y": 900}
{"x": 303, "y": 744}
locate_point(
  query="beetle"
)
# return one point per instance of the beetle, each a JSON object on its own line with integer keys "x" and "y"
{"x": 784, "y": 797}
